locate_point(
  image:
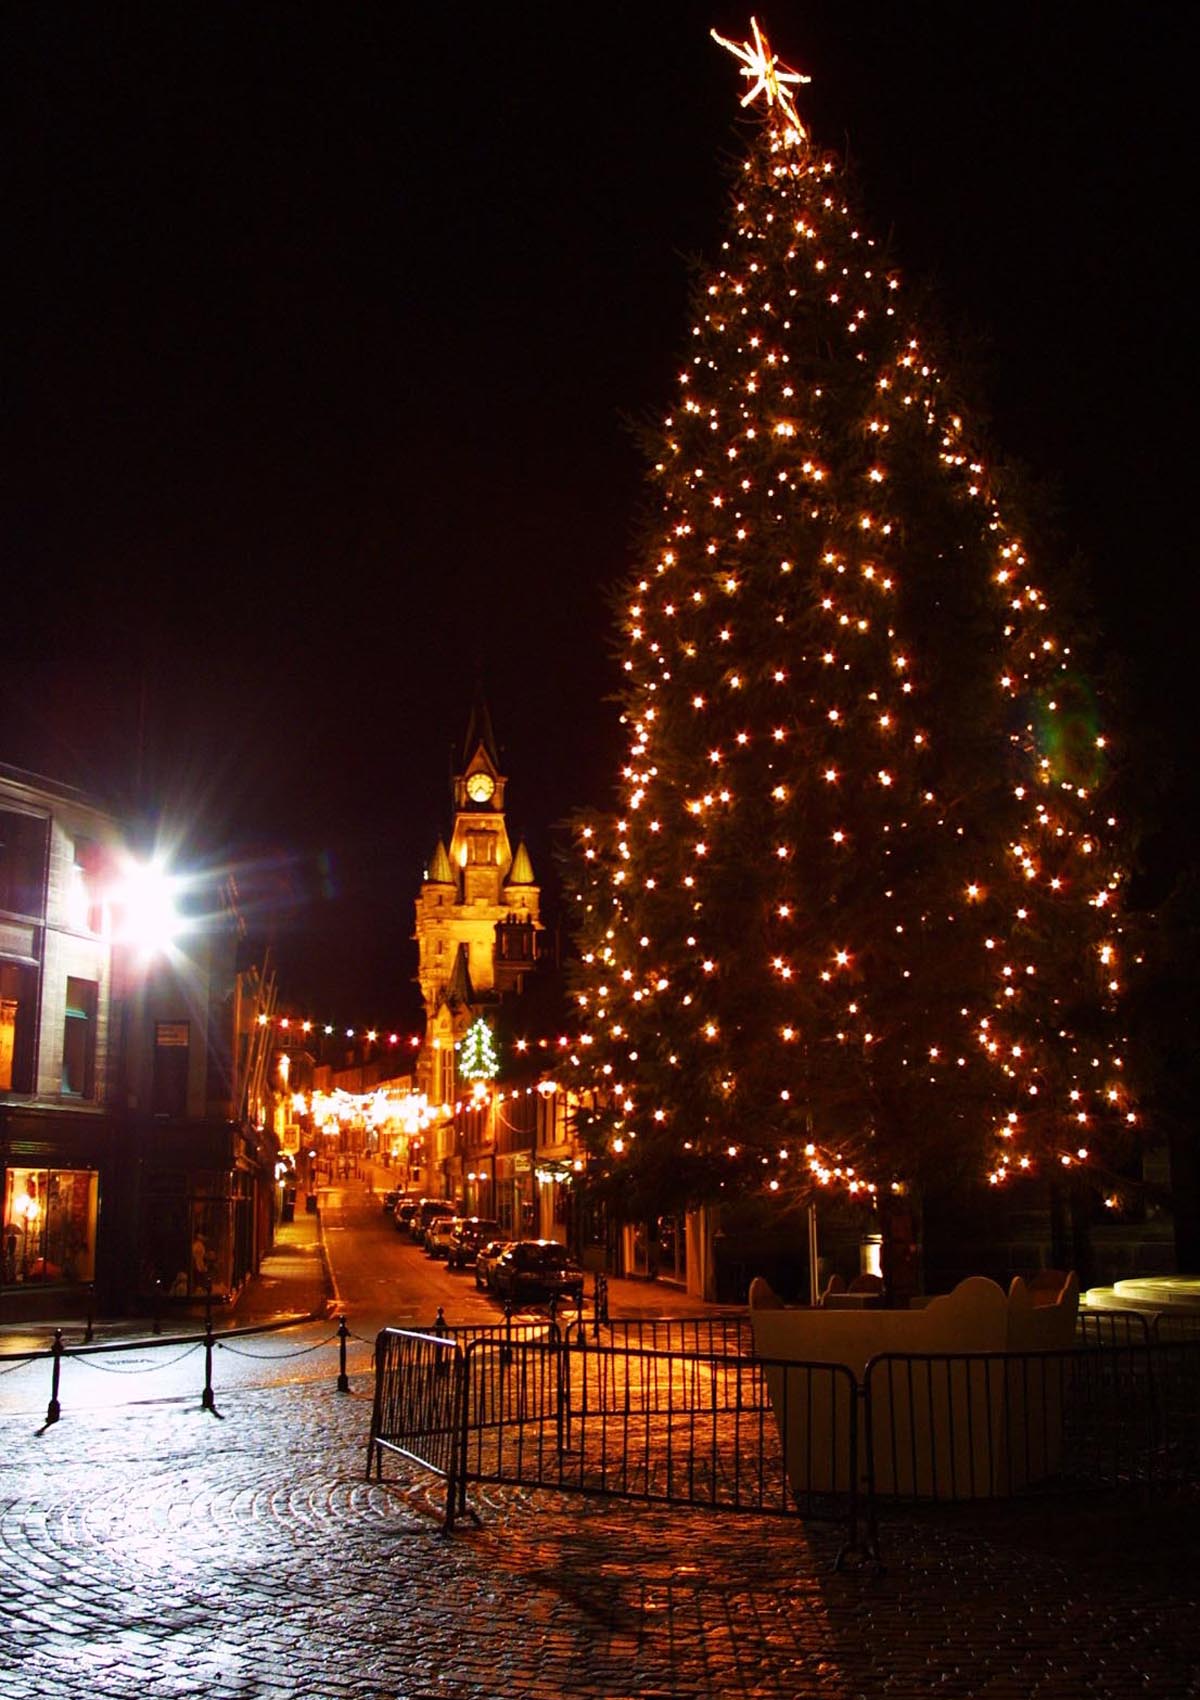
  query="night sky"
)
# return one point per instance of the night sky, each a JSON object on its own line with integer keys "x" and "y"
{"x": 330, "y": 325}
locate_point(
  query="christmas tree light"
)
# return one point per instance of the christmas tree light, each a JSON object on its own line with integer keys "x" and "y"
{"x": 857, "y": 919}
{"x": 477, "y": 1059}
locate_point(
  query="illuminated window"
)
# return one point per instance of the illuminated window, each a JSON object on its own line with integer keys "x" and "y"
{"x": 79, "y": 1039}
{"x": 18, "y": 1020}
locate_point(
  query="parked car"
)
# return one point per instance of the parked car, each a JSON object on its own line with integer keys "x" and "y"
{"x": 537, "y": 1271}
{"x": 470, "y": 1232}
{"x": 425, "y": 1212}
{"x": 485, "y": 1262}
{"x": 403, "y": 1214}
{"x": 438, "y": 1235}
{"x": 391, "y": 1199}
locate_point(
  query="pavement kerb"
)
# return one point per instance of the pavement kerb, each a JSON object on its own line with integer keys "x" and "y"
{"x": 245, "y": 1310}
{"x": 333, "y": 1301}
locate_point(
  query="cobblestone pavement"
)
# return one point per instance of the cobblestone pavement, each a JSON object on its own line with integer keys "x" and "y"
{"x": 153, "y": 1551}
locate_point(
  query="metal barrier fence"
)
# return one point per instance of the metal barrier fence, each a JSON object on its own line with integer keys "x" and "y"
{"x": 687, "y": 1428}
{"x": 1100, "y": 1327}
{"x": 955, "y": 1427}
{"x": 726, "y": 1430}
{"x": 417, "y": 1410}
{"x": 701, "y": 1336}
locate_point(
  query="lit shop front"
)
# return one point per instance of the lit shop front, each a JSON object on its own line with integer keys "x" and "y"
{"x": 50, "y": 1218}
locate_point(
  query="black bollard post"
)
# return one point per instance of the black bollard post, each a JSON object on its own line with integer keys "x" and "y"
{"x": 156, "y": 1319}
{"x": 343, "y": 1380}
{"x": 54, "y": 1409}
{"x": 207, "y": 1402}
{"x": 439, "y": 1327}
{"x": 90, "y": 1330}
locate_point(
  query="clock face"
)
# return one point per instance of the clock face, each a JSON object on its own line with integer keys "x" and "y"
{"x": 480, "y": 787}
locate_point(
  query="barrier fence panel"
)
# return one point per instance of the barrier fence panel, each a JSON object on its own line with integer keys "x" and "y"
{"x": 987, "y": 1425}
{"x": 963, "y": 1426}
{"x": 666, "y": 1427}
{"x": 1099, "y": 1328}
{"x": 1177, "y": 1328}
{"x": 700, "y": 1336}
{"x": 1179, "y": 1381}
{"x": 417, "y": 1410}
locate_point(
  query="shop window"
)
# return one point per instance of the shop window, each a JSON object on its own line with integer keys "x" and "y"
{"x": 23, "y": 840}
{"x": 49, "y": 1226}
{"x": 172, "y": 1051}
{"x": 18, "y": 1023}
{"x": 79, "y": 1039}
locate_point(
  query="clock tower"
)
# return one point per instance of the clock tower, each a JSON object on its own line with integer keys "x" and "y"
{"x": 478, "y": 924}
{"x": 479, "y": 846}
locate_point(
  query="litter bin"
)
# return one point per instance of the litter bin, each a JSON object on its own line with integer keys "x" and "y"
{"x": 310, "y": 1203}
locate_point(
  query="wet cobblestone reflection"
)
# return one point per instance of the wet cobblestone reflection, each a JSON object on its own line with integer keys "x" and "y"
{"x": 150, "y": 1551}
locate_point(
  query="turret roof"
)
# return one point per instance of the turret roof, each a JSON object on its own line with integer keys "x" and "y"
{"x": 459, "y": 989}
{"x": 440, "y": 871}
{"x": 521, "y": 872}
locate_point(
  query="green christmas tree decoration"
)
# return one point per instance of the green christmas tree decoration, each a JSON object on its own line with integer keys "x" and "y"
{"x": 478, "y": 1060}
{"x": 855, "y": 922}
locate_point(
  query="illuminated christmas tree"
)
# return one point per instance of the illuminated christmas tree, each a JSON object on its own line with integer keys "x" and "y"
{"x": 477, "y": 1059}
{"x": 856, "y": 921}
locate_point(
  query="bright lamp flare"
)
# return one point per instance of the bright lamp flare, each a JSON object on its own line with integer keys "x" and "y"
{"x": 150, "y": 919}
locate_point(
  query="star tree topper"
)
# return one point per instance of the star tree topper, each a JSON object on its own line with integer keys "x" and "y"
{"x": 767, "y": 74}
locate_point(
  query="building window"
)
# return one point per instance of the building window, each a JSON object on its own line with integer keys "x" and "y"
{"x": 49, "y": 1225}
{"x": 23, "y": 840}
{"x": 18, "y": 1024}
{"x": 79, "y": 1039}
{"x": 172, "y": 1050}
{"x": 86, "y": 904}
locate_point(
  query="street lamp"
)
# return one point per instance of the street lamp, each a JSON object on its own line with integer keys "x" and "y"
{"x": 145, "y": 900}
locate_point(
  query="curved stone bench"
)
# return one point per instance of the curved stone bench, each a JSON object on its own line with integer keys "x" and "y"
{"x": 955, "y": 1429}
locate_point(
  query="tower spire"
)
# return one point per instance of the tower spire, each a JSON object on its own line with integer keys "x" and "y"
{"x": 479, "y": 731}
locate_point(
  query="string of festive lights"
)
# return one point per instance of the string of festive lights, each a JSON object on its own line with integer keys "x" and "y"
{"x": 306, "y": 1027}
{"x": 292, "y": 1024}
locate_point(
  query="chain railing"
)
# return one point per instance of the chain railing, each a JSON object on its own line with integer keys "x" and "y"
{"x": 92, "y": 1353}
